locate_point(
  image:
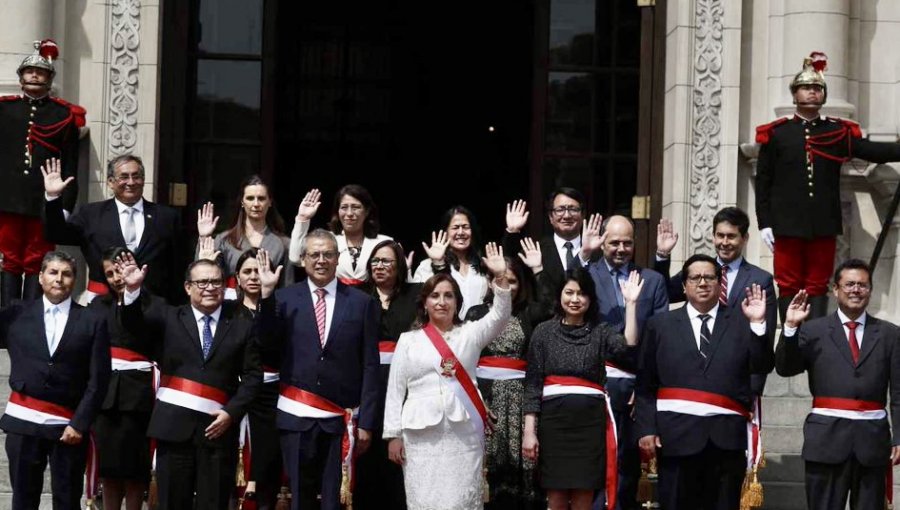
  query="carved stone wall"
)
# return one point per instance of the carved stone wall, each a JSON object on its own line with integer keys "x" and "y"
{"x": 123, "y": 76}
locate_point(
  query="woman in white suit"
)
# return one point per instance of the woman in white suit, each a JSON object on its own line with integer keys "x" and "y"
{"x": 436, "y": 431}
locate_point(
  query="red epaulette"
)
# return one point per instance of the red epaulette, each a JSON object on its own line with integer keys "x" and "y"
{"x": 764, "y": 132}
{"x": 78, "y": 112}
{"x": 853, "y": 127}
{"x": 11, "y": 98}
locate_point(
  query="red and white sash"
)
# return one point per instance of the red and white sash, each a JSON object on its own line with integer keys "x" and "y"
{"x": 38, "y": 411}
{"x": 304, "y": 404}
{"x": 352, "y": 282}
{"x": 98, "y": 288}
{"x": 614, "y": 371}
{"x": 497, "y": 368}
{"x": 556, "y": 385}
{"x": 126, "y": 359}
{"x": 850, "y": 409}
{"x": 459, "y": 380}
{"x": 386, "y": 351}
{"x": 190, "y": 394}
{"x": 270, "y": 374}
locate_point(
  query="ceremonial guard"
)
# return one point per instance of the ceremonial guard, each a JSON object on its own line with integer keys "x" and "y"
{"x": 34, "y": 127}
{"x": 797, "y": 186}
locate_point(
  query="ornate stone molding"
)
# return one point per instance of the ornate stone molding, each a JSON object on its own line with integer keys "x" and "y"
{"x": 707, "y": 106}
{"x": 123, "y": 76}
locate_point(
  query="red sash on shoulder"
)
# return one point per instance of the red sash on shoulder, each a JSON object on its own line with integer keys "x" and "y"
{"x": 453, "y": 368}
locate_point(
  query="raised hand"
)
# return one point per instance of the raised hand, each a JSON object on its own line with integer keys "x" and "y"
{"x": 409, "y": 259}
{"x": 207, "y": 220}
{"x": 531, "y": 254}
{"x": 439, "y": 243}
{"x": 631, "y": 288}
{"x": 268, "y": 279}
{"x": 754, "y": 304}
{"x": 207, "y": 249}
{"x": 309, "y": 205}
{"x": 797, "y": 311}
{"x": 591, "y": 240}
{"x": 516, "y": 216}
{"x": 132, "y": 275}
{"x": 493, "y": 259}
{"x": 53, "y": 181}
{"x": 666, "y": 237}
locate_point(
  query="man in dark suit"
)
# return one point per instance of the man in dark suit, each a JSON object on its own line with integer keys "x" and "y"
{"x": 615, "y": 238}
{"x": 565, "y": 210}
{"x": 60, "y": 366}
{"x": 151, "y": 231}
{"x": 851, "y": 359}
{"x": 330, "y": 364}
{"x": 693, "y": 390}
{"x": 34, "y": 126}
{"x": 210, "y": 372}
{"x": 731, "y": 227}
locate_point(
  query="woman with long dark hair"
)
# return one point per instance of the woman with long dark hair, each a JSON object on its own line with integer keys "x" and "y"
{"x": 257, "y": 225}
{"x": 564, "y": 391}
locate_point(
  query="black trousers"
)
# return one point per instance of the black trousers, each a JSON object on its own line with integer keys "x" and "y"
{"x": 829, "y": 485}
{"x": 709, "y": 480}
{"x": 28, "y": 458}
{"x": 312, "y": 460}
{"x": 187, "y": 467}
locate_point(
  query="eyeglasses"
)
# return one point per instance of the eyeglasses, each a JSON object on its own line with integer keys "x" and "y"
{"x": 122, "y": 179}
{"x": 204, "y": 284}
{"x": 381, "y": 262}
{"x": 350, "y": 207}
{"x": 706, "y": 278}
{"x": 562, "y": 210}
{"x": 851, "y": 286}
{"x": 327, "y": 255}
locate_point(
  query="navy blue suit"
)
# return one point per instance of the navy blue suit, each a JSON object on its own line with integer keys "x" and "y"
{"x": 653, "y": 300}
{"x": 76, "y": 377}
{"x": 669, "y": 358}
{"x": 747, "y": 275}
{"x": 345, "y": 371}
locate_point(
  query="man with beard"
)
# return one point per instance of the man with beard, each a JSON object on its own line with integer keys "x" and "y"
{"x": 34, "y": 127}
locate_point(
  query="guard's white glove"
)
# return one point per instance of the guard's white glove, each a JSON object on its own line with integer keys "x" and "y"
{"x": 768, "y": 237}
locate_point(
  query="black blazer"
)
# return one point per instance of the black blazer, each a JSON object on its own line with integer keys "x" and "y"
{"x": 669, "y": 358}
{"x": 95, "y": 227}
{"x": 553, "y": 266}
{"x": 77, "y": 374}
{"x": 129, "y": 390}
{"x": 820, "y": 347}
{"x": 233, "y": 366}
{"x": 346, "y": 371}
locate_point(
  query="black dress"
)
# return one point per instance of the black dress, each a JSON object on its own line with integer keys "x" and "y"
{"x": 120, "y": 430}
{"x": 571, "y": 428}
{"x": 379, "y": 482}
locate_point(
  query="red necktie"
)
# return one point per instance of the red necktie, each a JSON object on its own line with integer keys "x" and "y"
{"x": 854, "y": 345}
{"x": 723, "y": 286}
{"x": 320, "y": 315}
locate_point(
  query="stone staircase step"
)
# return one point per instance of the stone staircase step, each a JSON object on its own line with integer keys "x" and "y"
{"x": 782, "y": 439}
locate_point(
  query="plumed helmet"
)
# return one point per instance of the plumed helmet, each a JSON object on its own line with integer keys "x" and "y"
{"x": 813, "y": 73}
{"x": 45, "y": 52}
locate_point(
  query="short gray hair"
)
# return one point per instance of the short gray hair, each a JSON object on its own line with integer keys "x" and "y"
{"x": 121, "y": 160}
{"x": 319, "y": 233}
{"x": 59, "y": 256}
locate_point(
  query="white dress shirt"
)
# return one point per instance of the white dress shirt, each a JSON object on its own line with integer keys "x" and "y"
{"x": 561, "y": 250}
{"x": 860, "y": 327}
{"x": 330, "y": 291}
{"x": 55, "y": 324}
{"x": 138, "y": 219}
{"x": 198, "y": 315}
{"x": 758, "y": 328}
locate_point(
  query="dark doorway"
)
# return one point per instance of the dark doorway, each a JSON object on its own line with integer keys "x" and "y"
{"x": 425, "y": 105}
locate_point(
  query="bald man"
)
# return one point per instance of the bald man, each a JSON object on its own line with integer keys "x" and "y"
{"x": 611, "y": 269}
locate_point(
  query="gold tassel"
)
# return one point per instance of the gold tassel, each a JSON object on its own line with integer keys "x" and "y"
{"x": 346, "y": 494}
{"x": 755, "y": 491}
{"x": 486, "y": 488}
{"x": 284, "y": 499}
{"x": 644, "y": 488}
{"x": 153, "y": 492}
{"x": 239, "y": 478}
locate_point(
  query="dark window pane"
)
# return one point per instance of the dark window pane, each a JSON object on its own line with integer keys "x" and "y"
{"x": 575, "y": 173}
{"x": 227, "y": 104}
{"x": 605, "y": 32}
{"x": 624, "y": 182}
{"x": 231, "y": 26}
{"x": 603, "y": 107}
{"x": 626, "y": 107}
{"x": 217, "y": 172}
{"x": 568, "y": 125}
{"x": 572, "y": 31}
{"x": 628, "y": 34}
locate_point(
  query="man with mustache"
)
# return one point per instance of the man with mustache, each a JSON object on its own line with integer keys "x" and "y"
{"x": 34, "y": 127}
{"x": 798, "y": 178}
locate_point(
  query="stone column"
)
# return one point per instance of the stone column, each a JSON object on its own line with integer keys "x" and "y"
{"x": 21, "y": 24}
